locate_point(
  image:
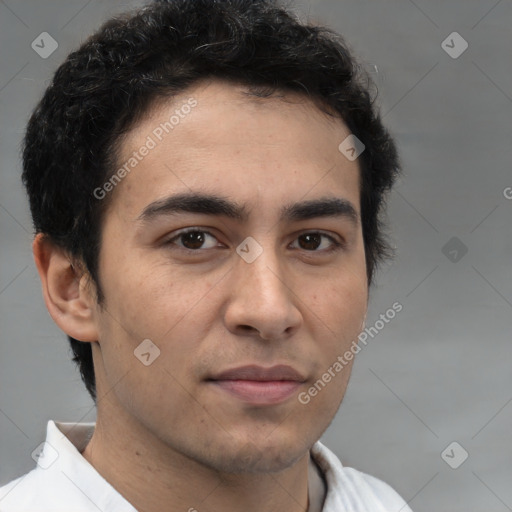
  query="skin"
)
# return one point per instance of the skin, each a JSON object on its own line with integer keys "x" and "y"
{"x": 166, "y": 438}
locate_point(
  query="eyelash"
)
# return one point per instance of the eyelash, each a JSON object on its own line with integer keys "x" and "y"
{"x": 336, "y": 245}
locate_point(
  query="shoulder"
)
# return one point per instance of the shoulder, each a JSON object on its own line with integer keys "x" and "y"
{"x": 62, "y": 479}
{"x": 59, "y": 489}
{"x": 34, "y": 489}
{"x": 380, "y": 489}
{"x": 350, "y": 488}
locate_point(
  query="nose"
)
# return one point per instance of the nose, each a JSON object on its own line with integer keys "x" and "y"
{"x": 262, "y": 301}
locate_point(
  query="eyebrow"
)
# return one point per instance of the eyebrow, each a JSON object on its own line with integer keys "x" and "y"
{"x": 220, "y": 206}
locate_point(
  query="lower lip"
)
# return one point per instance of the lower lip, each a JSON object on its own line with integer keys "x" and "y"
{"x": 259, "y": 392}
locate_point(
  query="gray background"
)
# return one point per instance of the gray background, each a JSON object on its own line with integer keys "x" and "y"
{"x": 437, "y": 373}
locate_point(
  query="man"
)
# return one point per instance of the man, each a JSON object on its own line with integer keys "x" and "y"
{"x": 206, "y": 181}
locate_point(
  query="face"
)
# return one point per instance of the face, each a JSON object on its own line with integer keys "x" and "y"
{"x": 182, "y": 272}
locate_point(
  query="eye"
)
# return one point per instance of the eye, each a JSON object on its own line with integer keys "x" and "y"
{"x": 194, "y": 239}
{"x": 315, "y": 242}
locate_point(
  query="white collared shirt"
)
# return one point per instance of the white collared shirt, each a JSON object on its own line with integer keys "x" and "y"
{"x": 64, "y": 481}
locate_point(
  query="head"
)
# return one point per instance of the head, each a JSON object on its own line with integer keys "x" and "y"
{"x": 241, "y": 109}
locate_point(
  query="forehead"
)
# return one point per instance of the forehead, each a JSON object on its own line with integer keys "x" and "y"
{"x": 215, "y": 135}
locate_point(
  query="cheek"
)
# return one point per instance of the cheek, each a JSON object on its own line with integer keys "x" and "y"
{"x": 149, "y": 306}
{"x": 337, "y": 313}
{"x": 144, "y": 300}
{"x": 158, "y": 303}
{"x": 341, "y": 306}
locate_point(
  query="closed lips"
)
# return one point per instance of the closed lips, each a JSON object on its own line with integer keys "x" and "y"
{"x": 260, "y": 373}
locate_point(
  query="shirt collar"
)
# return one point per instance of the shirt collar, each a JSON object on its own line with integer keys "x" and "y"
{"x": 69, "y": 440}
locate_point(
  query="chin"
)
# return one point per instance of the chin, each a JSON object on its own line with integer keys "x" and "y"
{"x": 252, "y": 458}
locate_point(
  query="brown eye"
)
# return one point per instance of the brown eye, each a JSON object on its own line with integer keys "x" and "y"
{"x": 315, "y": 242}
{"x": 193, "y": 240}
{"x": 310, "y": 241}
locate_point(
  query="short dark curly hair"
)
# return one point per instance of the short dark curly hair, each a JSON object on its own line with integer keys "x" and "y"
{"x": 106, "y": 86}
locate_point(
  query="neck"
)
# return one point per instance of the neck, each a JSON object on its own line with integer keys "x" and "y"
{"x": 155, "y": 477}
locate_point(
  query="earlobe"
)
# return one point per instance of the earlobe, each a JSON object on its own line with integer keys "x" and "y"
{"x": 66, "y": 296}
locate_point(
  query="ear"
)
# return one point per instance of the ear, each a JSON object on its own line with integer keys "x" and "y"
{"x": 65, "y": 291}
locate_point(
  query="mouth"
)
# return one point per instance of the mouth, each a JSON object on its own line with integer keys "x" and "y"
{"x": 257, "y": 385}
